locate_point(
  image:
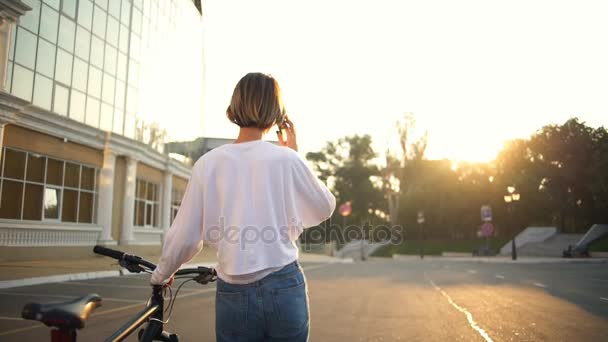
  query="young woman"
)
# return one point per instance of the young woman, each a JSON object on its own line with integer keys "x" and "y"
{"x": 251, "y": 199}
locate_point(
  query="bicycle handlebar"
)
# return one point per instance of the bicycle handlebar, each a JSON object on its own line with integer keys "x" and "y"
{"x": 134, "y": 264}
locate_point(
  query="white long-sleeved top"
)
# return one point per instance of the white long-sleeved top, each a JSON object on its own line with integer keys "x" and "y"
{"x": 252, "y": 201}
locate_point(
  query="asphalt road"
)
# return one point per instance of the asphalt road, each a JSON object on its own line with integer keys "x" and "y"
{"x": 378, "y": 300}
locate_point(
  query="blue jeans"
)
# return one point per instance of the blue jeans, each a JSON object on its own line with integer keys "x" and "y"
{"x": 274, "y": 308}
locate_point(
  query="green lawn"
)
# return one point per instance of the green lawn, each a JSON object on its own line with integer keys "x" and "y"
{"x": 436, "y": 247}
{"x": 599, "y": 246}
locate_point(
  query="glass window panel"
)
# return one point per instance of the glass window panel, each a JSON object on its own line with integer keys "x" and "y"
{"x": 118, "y": 121}
{"x": 67, "y": 33}
{"x": 120, "y": 94}
{"x": 129, "y": 126}
{"x": 77, "y": 105}
{"x": 108, "y": 89}
{"x": 105, "y": 123}
{"x": 85, "y": 211}
{"x": 69, "y": 206}
{"x": 113, "y": 31}
{"x": 87, "y": 180}
{"x": 12, "y": 193}
{"x": 121, "y": 67}
{"x": 151, "y": 193}
{"x": 110, "y": 60}
{"x": 149, "y": 214}
{"x": 51, "y": 203}
{"x": 80, "y": 76}
{"x": 23, "y": 82}
{"x": 141, "y": 189}
{"x": 102, "y": 3}
{"x": 125, "y": 12}
{"x": 60, "y": 104}
{"x": 85, "y": 13}
{"x": 49, "y": 23}
{"x": 43, "y": 92}
{"x": 97, "y": 52}
{"x": 136, "y": 22}
{"x": 11, "y": 47}
{"x": 92, "y": 117}
{"x": 69, "y": 8}
{"x": 83, "y": 43}
{"x": 133, "y": 73}
{"x": 45, "y": 63}
{"x": 25, "y": 53}
{"x": 35, "y": 168}
{"x": 99, "y": 22}
{"x": 132, "y": 100}
{"x": 72, "y": 175}
{"x": 54, "y": 172}
{"x": 53, "y": 3}
{"x": 15, "y": 164}
{"x": 140, "y": 208}
{"x": 124, "y": 39}
{"x": 31, "y": 18}
{"x": 9, "y": 75}
{"x": 135, "y": 47}
{"x": 94, "y": 82}
{"x": 63, "y": 67}
{"x": 114, "y": 8}
{"x": 32, "y": 203}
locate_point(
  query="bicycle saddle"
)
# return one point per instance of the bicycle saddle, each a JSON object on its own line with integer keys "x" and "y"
{"x": 65, "y": 315}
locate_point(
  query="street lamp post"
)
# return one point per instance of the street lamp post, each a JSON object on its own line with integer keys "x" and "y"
{"x": 420, "y": 221}
{"x": 510, "y": 199}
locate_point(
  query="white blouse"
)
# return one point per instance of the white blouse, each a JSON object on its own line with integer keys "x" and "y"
{"x": 252, "y": 201}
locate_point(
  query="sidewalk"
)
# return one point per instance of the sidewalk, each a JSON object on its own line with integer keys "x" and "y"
{"x": 23, "y": 273}
{"x": 505, "y": 259}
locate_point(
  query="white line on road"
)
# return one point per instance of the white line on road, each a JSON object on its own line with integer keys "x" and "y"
{"x": 316, "y": 266}
{"x": 604, "y": 298}
{"x": 472, "y": 271}
{"x": 500, "y": 276}
{"x": 11, "y": 318}
{"x": 469, "y": 316}
{"x": 540, "y": 285}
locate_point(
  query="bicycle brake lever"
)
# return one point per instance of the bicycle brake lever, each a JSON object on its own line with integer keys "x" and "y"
{"x": 205, "y": 278}
{"x": 133, "y": 268}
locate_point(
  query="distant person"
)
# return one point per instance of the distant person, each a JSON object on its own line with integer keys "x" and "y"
{"x": 251, "y": 199}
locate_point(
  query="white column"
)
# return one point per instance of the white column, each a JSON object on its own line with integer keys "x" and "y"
{"x": 166, "y": 202}
{"x": 5, "y": 40}
{"x": 106, "y": 197}
{"x": 126, "y": 234}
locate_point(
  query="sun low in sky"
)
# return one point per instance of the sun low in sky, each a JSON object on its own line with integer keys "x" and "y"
{"x": 474, "y": 73}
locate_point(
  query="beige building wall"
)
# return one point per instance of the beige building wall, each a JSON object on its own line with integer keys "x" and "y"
{"x": 32, "y": 141}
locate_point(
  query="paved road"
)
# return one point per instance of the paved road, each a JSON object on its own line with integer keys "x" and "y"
{"x": 379, "y": 300}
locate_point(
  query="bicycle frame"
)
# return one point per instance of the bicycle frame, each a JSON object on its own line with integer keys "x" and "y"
{"x": 153, "y": 313}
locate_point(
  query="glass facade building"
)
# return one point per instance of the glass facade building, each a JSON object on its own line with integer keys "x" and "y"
{"x": 110, "y": 64}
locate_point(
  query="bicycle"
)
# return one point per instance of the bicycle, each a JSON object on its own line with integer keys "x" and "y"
{"x": 66, "y": 318}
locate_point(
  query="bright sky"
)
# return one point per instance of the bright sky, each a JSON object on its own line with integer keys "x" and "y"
{"x": 474, "y": 73}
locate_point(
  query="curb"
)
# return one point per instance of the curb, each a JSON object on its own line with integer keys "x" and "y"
{"x": 59, "y": 278}
{"x": 499, "y": 260}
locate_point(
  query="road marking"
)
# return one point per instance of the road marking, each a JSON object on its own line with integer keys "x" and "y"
{"x": 14, "y": 331}
{"x": 11, "y": 318}
{"x": 604, "y": 298}
{"x": 500, "y": 276}
{"x": 472, "y": 271}
{"x": 469, "y": 316}
{"x": 540, "y": 285}
{"x": 115, "y": 286}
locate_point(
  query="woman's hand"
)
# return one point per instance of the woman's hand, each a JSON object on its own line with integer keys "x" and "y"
{"x": 289, "y": 141}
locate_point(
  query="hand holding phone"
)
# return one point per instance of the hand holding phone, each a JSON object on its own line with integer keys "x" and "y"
{"x": 288, "y": 138}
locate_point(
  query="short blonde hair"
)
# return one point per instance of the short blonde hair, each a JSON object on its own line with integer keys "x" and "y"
{"x": 256, "y": 102}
